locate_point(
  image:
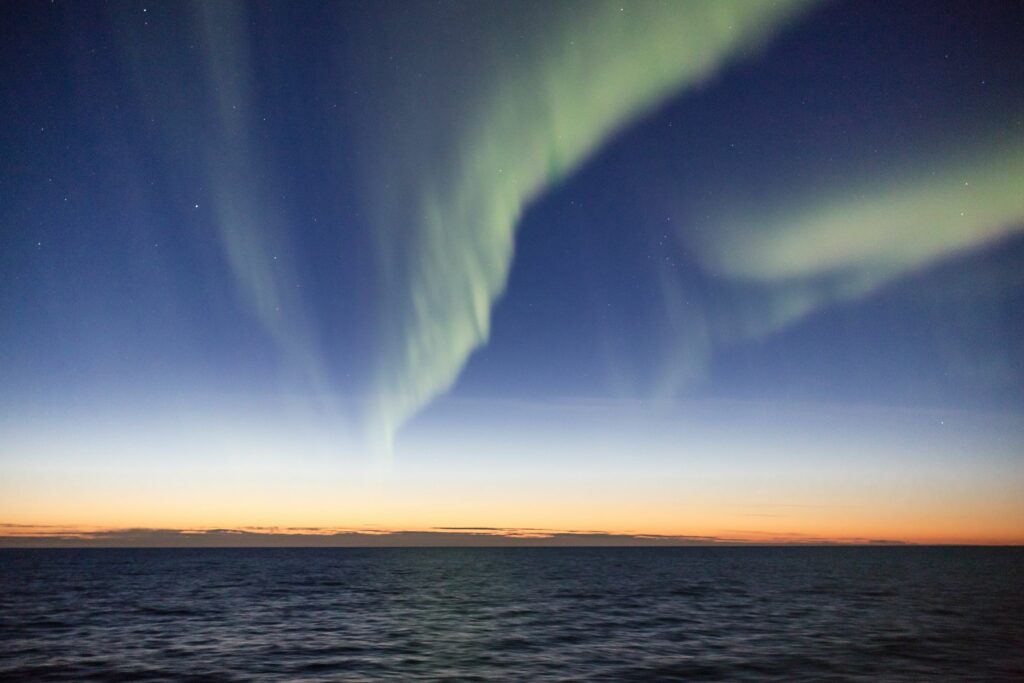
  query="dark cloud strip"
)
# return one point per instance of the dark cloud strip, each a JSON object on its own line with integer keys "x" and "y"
{"x": 15, "y": 536}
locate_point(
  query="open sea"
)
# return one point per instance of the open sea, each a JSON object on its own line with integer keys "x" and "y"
{"x": 519, "y": 614}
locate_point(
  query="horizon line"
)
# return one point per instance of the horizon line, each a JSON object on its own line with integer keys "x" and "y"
{"x": 15, "y": 536}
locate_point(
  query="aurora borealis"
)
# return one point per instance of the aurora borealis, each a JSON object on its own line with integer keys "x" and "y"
{"x": 568, "y": 77}
{"x": 724, "y": 270}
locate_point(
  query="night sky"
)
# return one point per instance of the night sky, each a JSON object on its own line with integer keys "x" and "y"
{"x": 729, "y": 270}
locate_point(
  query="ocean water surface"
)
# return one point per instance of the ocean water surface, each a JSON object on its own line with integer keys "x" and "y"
{"x": 643, "y": 614}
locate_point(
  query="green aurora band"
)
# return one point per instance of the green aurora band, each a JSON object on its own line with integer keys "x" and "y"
{"x": 480, "y": 137}
{"x": 477, "y": 118}
{"x": 812, "y": 248}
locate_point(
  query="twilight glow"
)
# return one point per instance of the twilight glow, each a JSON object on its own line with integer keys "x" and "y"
{"x": 415, "y": 273}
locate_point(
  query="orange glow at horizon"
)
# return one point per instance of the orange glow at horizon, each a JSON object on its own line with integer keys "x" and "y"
{"x": 997, "y": 518}
{"x": 723, "y": 472}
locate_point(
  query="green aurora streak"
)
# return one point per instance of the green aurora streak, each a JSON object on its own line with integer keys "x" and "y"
{"x": 589, "y": 69}
{"x": 811, "y": 248}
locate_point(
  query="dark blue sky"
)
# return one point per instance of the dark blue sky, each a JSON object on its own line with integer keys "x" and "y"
{"x": 373, "y": 213}
{"x": 851, "y": 88}
{"x": 113, "y": 274}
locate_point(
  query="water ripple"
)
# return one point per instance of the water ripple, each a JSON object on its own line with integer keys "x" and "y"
{"x": 729, "y": 614}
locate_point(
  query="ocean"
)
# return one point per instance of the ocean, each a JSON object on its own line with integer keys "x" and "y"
{"x": 513, "y": 614}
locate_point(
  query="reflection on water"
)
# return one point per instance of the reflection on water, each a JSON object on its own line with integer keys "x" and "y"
{"x": 513, "y": 614}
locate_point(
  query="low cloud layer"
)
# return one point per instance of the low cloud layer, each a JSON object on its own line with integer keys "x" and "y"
{"x": 30, "y": 536}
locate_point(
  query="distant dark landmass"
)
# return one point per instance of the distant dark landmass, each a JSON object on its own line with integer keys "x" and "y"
{"x": 30, "y": 536}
